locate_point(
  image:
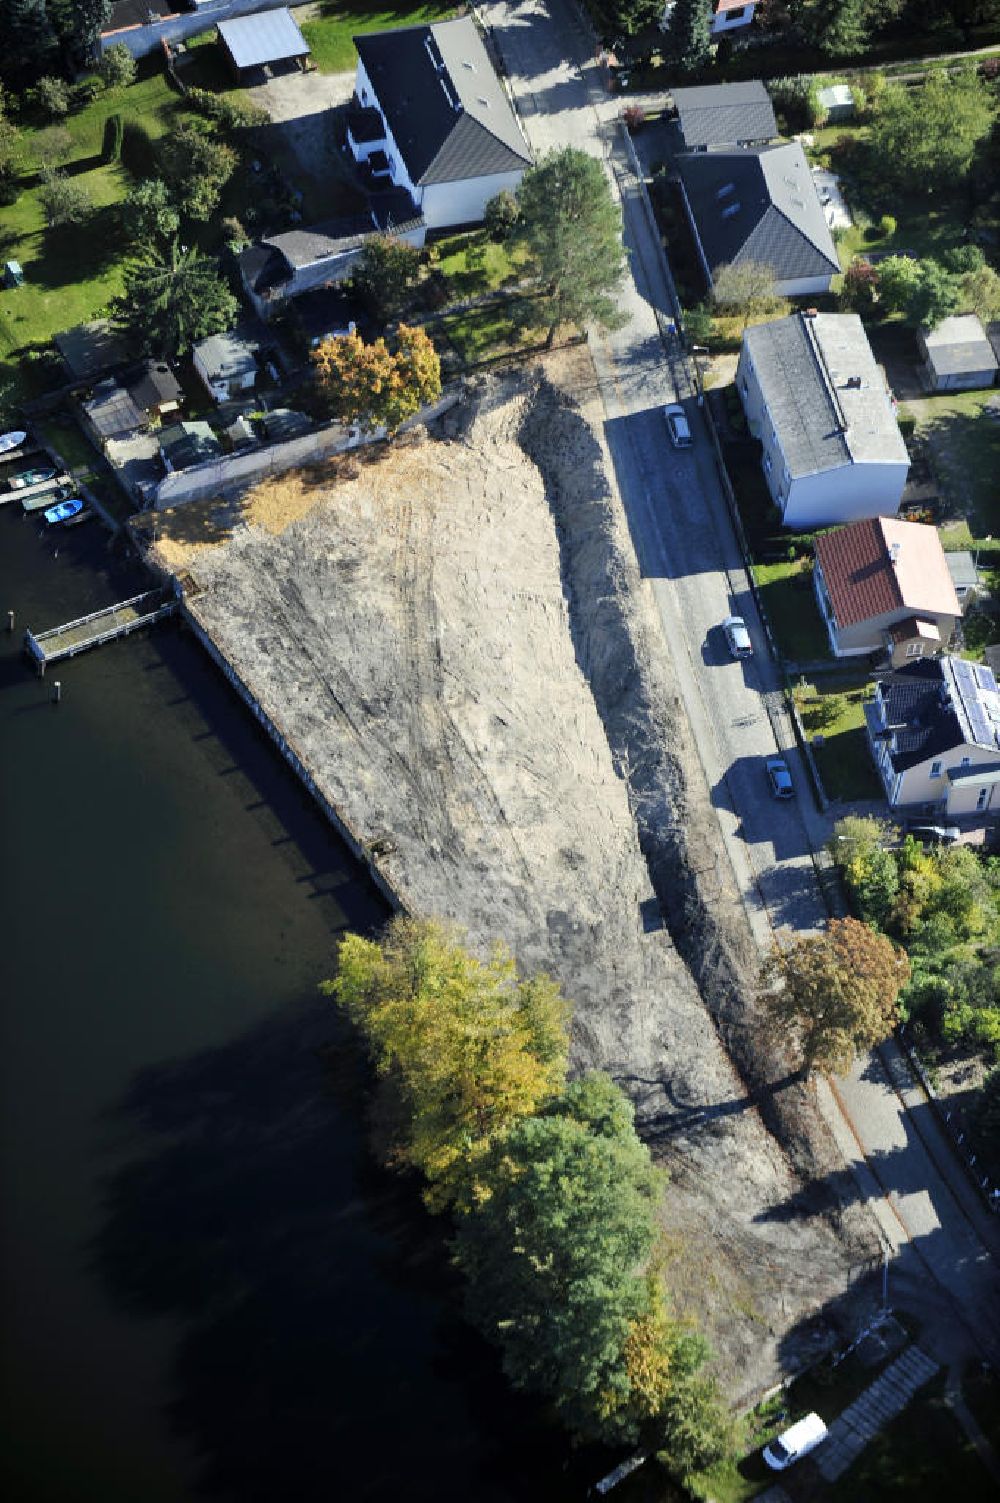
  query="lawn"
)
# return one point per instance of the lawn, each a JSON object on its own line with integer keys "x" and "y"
{"x": 922, "y": 1457}
{"x": 833, "y": 707}
{"x": 473, "y": 264}
{"x": 787, "y": 595}
{"x": 482, "y": 333}
{"x": 964, "y": 446}
{"x": 329, "y": 35}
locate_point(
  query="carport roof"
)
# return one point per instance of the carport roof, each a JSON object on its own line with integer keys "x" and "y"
{"x": 725, "y": 114}
{"x": 270, "y": 37}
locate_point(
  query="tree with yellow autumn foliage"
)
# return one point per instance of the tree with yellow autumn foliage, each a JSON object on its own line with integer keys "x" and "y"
{"x": 372, "y": 385}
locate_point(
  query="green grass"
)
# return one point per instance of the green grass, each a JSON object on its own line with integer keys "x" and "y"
{"x": 329, "y": 36}
{"x": 151, "y": 102}
{"x": 965, "y": 453}
{"x": 922, "y": 1457}
{"x": 787, "y": 595}
{"x": 482, "y": 333}
{"x": 843, "y": 760}
{"x": 473, "y": 264}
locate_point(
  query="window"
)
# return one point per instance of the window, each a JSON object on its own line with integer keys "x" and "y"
{"x": 935, "y": 769}
{"x": 965, "y": 762}
{"x": 984, "y": 794}
{"x": 915, "y": 650}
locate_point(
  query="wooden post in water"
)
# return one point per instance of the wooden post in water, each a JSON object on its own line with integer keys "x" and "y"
{"x": 10, "y": 620}
{"x": 56, "y": 692}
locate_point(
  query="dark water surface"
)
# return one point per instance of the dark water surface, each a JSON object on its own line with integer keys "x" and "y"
{"x": 209, "y": 1289}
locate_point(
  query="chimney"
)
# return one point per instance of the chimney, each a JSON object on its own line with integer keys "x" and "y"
{"x": 853, "y": 383}
{"x": 810, "y": 312}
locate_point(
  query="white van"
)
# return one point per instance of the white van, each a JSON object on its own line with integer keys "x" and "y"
{"x": 796, "y": 1442}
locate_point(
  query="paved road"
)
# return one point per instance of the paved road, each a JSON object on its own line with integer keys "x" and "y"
{"x": 945, "y": 1245}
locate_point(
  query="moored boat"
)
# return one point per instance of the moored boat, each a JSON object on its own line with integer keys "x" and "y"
{"x": 12, "y": 440}
{"x": 64, "y": 512}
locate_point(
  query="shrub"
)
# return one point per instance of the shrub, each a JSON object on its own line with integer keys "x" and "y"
{"x": 114, "y": 130}
{"x": 634, "y": 117}
{"x": 233, "y": 233}
{"x": 63, "y": 201}
{"x": 793, "y": 97}
{"x": 138, "y": 154}
{"x": 86, "y": 91}
{"x": 501, "y": 215}
{"x": 230, "y": 114}
{"x": 887, "y": 225}
{"x": 50, "y": 98}
{"x": 118, "y": 67}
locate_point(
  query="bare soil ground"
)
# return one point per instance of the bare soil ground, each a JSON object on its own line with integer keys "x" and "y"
{"x": 453, "y": 635}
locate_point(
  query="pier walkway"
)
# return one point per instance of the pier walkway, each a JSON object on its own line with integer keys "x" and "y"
{"x": 100, "y": 626}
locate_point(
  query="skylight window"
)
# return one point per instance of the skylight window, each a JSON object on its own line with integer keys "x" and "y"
{"x": 730, "y": 210}
{"x": 726, "y": 188}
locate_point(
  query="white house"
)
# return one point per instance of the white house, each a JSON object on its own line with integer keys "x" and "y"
{"x": 884, "y": 586}
{"x": 731, "y": 15}
{"x": 934, "y": 731}
{"x": 814, "y": 396}
{"x": 760, "y": 205}
{"x": 434, "y": 118}
{"x": 727, "y": 15}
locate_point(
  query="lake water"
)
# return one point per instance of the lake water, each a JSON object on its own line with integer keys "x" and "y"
{"x": 209, "y": 1287}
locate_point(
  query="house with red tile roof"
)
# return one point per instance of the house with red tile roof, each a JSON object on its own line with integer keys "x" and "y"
{"x": 884, "y": 586}
{"x": 731, "y": 15}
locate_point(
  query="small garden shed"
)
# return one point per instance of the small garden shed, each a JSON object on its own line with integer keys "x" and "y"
{"x": 957, "y": 354}
{"x": 836, "y": 102}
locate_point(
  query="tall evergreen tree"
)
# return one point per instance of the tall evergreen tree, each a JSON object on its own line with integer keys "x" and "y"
{"x": 78, "y": 25}
{"x": 689, "y": 35}
{"x": 30, "y": 47}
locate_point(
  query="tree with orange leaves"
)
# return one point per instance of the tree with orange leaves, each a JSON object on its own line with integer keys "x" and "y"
{"x": 374, "y": 386}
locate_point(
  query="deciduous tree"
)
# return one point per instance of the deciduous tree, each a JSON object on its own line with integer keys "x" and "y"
{"x": 835, "y": 994}
{"x": 118, "y": 67}
{"x": 924, "y": 139}
{"x": 573, "y": 233}
{"x": 149, "y": 214}
{"x": 472, "y": 1046}
{"x": 746, "y": 287}
{"x": 197, "y": 165}
{"x": 374, "y": 386}
{"x": 860, "y": 288}
{"x": 11, "y": 157}
{"x": 171, "y": 299}
{"x": 64, "y": 202}
{"x": 980, "y": 291}
{"x": 386, "y": 274}
{"x": 935, "y": 295}
{"x": 30, "y": 47}
{"x": 897, "y": 278}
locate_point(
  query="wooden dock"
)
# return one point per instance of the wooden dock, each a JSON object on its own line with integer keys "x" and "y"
{"x": 101, "y": 626}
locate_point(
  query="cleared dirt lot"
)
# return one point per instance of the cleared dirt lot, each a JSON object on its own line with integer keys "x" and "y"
{"x": 455, "y": 638}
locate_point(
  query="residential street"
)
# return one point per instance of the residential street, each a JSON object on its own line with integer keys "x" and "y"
{"x": 688, "y": 551}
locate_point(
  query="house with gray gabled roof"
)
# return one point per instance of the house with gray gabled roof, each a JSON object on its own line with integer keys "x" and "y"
{"x": 731, "y": 114}
{"x": 434, "y": 118}
{"x": 813, "y": 394}
{"x": 760, "y": 205}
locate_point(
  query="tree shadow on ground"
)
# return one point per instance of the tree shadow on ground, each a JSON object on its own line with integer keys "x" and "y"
{"x": 95, "y": 244}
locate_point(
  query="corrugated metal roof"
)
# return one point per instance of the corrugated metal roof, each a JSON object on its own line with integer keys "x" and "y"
{"x": 270, "y": 37}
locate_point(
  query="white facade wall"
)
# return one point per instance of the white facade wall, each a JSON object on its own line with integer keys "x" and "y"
{"x": 464, "y": 202}
{"x": 221, "y": 390}
{"x": 732, "y": 20}
{"x": 846, "y": 494}
{"x": 805, "y": 286}
{"x": 442, "y": 204}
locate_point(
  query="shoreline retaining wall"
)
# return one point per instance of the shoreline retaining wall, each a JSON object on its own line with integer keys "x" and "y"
{"x": 356, "y": 846}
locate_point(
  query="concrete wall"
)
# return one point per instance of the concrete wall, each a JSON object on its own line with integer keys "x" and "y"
{"x": 141, "y": 40}
{"x": 249, "y": 465}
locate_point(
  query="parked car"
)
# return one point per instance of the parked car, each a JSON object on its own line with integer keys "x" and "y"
{"x": 32, "y": 477}
{"x": 677, "y": 426}
{"x": 795, "y": 1442}
{"x": 935, "y": 834}
{"x": 737, "y": 637}
{"x": 779, "y": 777}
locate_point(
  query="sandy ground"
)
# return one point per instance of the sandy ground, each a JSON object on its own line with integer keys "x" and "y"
{"x": 456, "y": 661}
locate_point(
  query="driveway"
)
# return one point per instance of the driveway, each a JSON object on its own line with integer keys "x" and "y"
{"x": 680, "y": 525}
{"x": 302, "y": 142}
